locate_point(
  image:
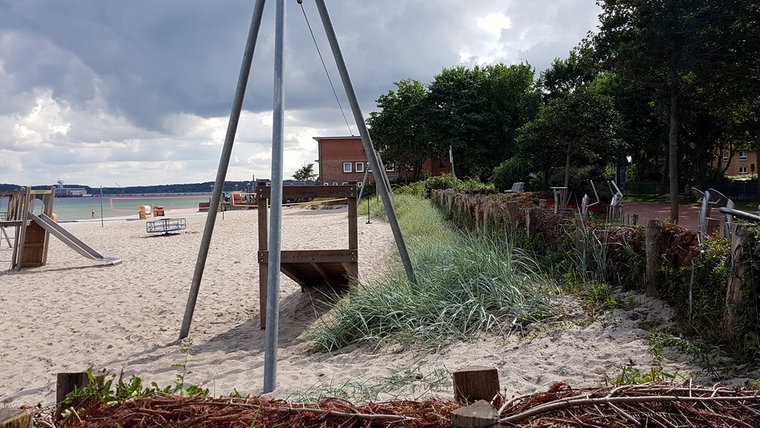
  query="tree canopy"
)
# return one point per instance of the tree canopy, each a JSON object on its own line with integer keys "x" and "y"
{"x": 679, "y": 49}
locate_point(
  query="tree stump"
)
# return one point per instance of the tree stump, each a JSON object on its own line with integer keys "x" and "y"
{"x": 476, "y": 383}
{"x": 478, "y": 415}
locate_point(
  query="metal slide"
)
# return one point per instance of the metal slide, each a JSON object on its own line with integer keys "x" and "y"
{"x": 72, "y": 241}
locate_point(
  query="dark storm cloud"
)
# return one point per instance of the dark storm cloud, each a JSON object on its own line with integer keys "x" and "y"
{"x": 106, "y": 82}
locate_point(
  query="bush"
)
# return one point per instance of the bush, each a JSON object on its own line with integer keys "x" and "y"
{"x": 510, "y": 171}
{"x": 444, "y": 181}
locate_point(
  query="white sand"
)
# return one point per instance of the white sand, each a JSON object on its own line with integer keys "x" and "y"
{"x": 74, "y": 313}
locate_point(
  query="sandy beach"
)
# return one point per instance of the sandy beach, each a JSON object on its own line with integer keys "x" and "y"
{"x": 75, "y": 313}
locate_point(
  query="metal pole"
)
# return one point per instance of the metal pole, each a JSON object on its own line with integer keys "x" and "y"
{"x": 221, "y": 172}
{"x": 366, "y": 141}
{"x": 275, "y": 208}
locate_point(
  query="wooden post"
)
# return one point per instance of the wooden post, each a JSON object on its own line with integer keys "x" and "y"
{"x": 513, "y": 207}
{"x": 476, "y": 383}
{"x": 478, "y": 415}
{"x": 734, "y": 292}
{"x": 712, "y": 226}
{"x": 15, "y": 418}
{"x": 65, "y": 383}
{"x": 653, "y": 254}
{"x": 531, "y": 221}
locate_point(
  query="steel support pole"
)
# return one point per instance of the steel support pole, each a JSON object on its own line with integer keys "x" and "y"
{"x": 366, "y": 141}
{"x": 224, "y": 161}
{"x": 275, "y": 206}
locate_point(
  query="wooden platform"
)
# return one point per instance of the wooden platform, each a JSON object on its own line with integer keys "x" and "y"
{"x": 334, "y": 267}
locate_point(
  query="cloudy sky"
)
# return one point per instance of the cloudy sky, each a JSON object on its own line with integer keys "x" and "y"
{"x": 106, "y": 93}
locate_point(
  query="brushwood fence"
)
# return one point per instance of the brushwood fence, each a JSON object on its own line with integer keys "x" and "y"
{"x": 713, "y": 283}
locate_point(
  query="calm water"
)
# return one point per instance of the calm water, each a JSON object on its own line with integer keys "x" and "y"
{"x": 68, "y": 209}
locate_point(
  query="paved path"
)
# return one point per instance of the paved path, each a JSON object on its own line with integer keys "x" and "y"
{"x": 688, "y": 215}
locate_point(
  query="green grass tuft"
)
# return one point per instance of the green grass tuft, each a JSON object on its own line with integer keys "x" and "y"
{"x": 465, "y": 285}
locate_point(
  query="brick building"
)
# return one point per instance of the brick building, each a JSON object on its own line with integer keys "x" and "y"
{"x": 342, "y": 159}
{"x": 742, "y": 162}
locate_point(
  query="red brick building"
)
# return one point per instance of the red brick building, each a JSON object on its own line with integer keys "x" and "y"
{"x": 342, "y": 159}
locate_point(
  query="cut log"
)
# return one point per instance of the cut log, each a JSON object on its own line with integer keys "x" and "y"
{"x": 476, "y": 383}
{"x": 15, "y": 418}
{"x": 478, "y": 415}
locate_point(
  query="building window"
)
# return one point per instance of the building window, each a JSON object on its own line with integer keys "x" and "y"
{"x": 742, "y": 155}
{"x": 725, "y": 156}
{"x": 742, "y": 170}
{"x": 359, "y": 166}
{"x": 390, "y": 167}
{"x": 347, "y": 166}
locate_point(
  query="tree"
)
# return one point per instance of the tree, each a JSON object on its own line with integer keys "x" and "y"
{"x": 399, "y": 130}
{"x": 675, "y": 48}
{"x": 477, "y": 112}
{"x": 305, "y": 173}
{"x": 567, "y": 75}
{"x": 582, "y": 126}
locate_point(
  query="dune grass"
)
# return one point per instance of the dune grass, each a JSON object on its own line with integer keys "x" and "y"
{"x": 466, "y": 284}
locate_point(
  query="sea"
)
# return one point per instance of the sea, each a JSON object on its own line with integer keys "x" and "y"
{"x": 127, "y": 206}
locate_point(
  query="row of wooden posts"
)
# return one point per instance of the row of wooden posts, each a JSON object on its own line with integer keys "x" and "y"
{"x": 484, "y": 211}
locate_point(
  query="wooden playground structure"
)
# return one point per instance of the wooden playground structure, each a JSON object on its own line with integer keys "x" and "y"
{"x": 25, "y": 229}
{"x": 335, "y": 268}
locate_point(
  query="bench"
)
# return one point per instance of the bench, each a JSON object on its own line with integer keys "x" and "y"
{"x": 516, "y": 187}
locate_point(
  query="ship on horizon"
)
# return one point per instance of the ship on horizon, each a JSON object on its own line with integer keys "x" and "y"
{"x": 70, "y": 192}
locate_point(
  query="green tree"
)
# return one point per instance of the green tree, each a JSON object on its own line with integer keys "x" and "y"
{"x": 583, "y": 127}
{"x": 677, "y": 48}
{"x": 567, "y": 75}
{"x": 477, "y": 112}
{"x": 399, "y": 130}
{"x": 305, "y": 173}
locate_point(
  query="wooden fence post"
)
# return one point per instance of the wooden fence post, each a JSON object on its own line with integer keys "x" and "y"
{"x": 478, "y": 415}
{"x": 66, "y": 382}
{"x": 513, "y": 208}
{"x": 476, "y": 383}
{"x": 531, "y": 221}
{"x": 713, "y": 226}
{"x": 653, "y": 254}
{"x": 15, "y": 418}
{"x": 734, "y": 292}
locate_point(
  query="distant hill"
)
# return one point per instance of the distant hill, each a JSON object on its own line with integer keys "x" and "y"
{"x": 206, "y": 187}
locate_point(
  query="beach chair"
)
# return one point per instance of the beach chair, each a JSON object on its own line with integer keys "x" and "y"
{"x": 517, "y": 187}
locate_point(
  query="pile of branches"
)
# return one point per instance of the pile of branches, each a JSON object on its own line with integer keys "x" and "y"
{"x": 652, "y": 404}
{"x": 185, "y": 412}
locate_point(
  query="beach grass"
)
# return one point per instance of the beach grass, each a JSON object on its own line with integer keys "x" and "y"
{"x": 465, "y": 284}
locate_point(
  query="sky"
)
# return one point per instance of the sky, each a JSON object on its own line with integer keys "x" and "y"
{"x": 116, "y": 93}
